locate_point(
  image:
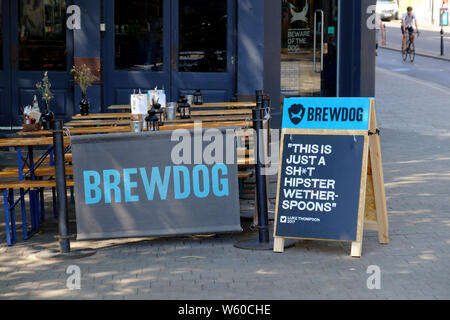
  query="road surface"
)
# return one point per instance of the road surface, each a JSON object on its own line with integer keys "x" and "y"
{"x": 428, "y": 41}
{"x": 428, "y": 69}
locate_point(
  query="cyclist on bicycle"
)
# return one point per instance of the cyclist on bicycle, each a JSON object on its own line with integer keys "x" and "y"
{"x": 407, "y": 25}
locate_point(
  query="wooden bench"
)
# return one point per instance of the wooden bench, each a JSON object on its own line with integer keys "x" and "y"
{"x": 194, "y": 113}
{"x": 45, "y": 171}
{"x": 100, "y": 122}
{"x": 78, "y": 131}
{"x": 8, "y": 188}
{"x": 67, "y": 158}
{"x": 245, "y": 174}
{"x": 28, "y": 184}
{"x": 209, "y": 105}
{"x": 27, "y": 142}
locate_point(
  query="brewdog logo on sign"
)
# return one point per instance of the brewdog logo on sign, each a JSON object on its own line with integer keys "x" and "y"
{"x": 326, "y": 113}
{"x": 330, "y": 160}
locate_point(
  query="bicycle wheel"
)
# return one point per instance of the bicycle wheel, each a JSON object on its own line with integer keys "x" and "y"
{"x": 405, "y": 53}
{"x": 412, "y": 52}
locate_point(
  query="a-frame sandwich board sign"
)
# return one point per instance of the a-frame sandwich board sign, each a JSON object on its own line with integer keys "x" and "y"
{"x": 330, "y": 180}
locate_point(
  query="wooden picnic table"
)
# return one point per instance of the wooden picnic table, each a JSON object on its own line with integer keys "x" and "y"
{"x": 232, "y": 117}
{"x": 125, "y": 129}
{"x": 29, "y": 142}
{"x": 77, "y": 131}
{"x": 96, "y": 116}
{"x": 113, "y": 123}
{"x": 120, "y": 107}
{"x": 100, "y": 122}
{"x": 123, "y": 119}
{"x": 194, "y": 113}
{"x": 205, "y": 106}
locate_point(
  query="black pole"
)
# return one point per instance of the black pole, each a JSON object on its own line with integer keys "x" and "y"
{"x": 261, "y": 183}
{"x": 442, "y": 41}
{"x": 64, "y": 253}
{"x": 60, "y": 176}
{"x": 265, "y": 238}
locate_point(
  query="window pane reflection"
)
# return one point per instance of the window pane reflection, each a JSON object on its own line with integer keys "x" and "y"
{"x": 298, "y": 76}
{"x": 138, "y": 35}
{"x": 42, "y": 35}
{"x": 203, "y": 36}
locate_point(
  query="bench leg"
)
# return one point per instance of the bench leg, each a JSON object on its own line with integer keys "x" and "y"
{"x": 34, "y": 215}
{"x": 41, "y": 193}
{"x": 24, "y": 214}
{"x": 34, "y": 196}
{"x": 55, "y": 207}
{"x": 38, "y": 207}
{"x": 12, "y": 212}
{"x": 30, "y": 198}
{"x": 7, "y": 222}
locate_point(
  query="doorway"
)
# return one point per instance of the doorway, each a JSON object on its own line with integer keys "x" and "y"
{"x": 309, "y": 58}
{"x": 34, "y": 39}
{"x": 178, "y": 45}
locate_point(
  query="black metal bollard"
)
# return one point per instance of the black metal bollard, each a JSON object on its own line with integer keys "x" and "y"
{"x": 60, "y": 170}
{"x": 261, "y": 183}
{"x": 259, "y": 97}
{"x": 442, "y": 41}
{"x": 265, "y": 238}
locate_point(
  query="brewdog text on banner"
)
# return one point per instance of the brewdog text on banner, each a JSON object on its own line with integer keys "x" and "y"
{"x": 126, "y": 185}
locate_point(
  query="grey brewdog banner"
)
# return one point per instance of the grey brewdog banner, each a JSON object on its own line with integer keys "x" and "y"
{"x": 126, "y": 185}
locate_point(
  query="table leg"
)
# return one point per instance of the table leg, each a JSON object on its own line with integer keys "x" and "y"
{"x": 22, "y": 195}
{"x": 41, "y": 193}
{"x": 24, "y": 214}
{"x": 34, "y": 202}
{"x": 52, "y": 159}
{"x": 7, "y": 222}
{"x": 12, "y": 213}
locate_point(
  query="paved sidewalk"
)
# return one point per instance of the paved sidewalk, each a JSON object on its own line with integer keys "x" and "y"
{"x": 414, "y": 121}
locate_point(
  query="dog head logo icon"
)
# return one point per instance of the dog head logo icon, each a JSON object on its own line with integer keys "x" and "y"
{"x": 296, "y": 113}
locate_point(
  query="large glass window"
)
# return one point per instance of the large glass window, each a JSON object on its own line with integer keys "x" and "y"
{"x": 42, "y": 35}
{"x": 139, "y": 35}
{"x": 203, "y": 36}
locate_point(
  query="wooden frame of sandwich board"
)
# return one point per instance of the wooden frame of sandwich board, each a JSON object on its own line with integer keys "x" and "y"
{"x": 372, "y": 212}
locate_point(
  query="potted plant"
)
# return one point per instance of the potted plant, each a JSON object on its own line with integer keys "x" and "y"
{"x": 44, "y": 87}
{"x": 84, "y": 77}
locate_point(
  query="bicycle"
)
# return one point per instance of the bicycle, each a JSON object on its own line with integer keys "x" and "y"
{"x": 410, "y": 48}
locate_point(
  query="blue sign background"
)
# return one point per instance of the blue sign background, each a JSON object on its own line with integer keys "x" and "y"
{"x": 311, "y": 113}
{"x": 444, "y": 17}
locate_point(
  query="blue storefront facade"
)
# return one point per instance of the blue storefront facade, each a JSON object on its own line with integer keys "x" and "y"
{"x": 226, "y": 48}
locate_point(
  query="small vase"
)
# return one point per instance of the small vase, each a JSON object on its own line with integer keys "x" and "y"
{"x": 84, "y": 105}
{"x": 47, "y": 117}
